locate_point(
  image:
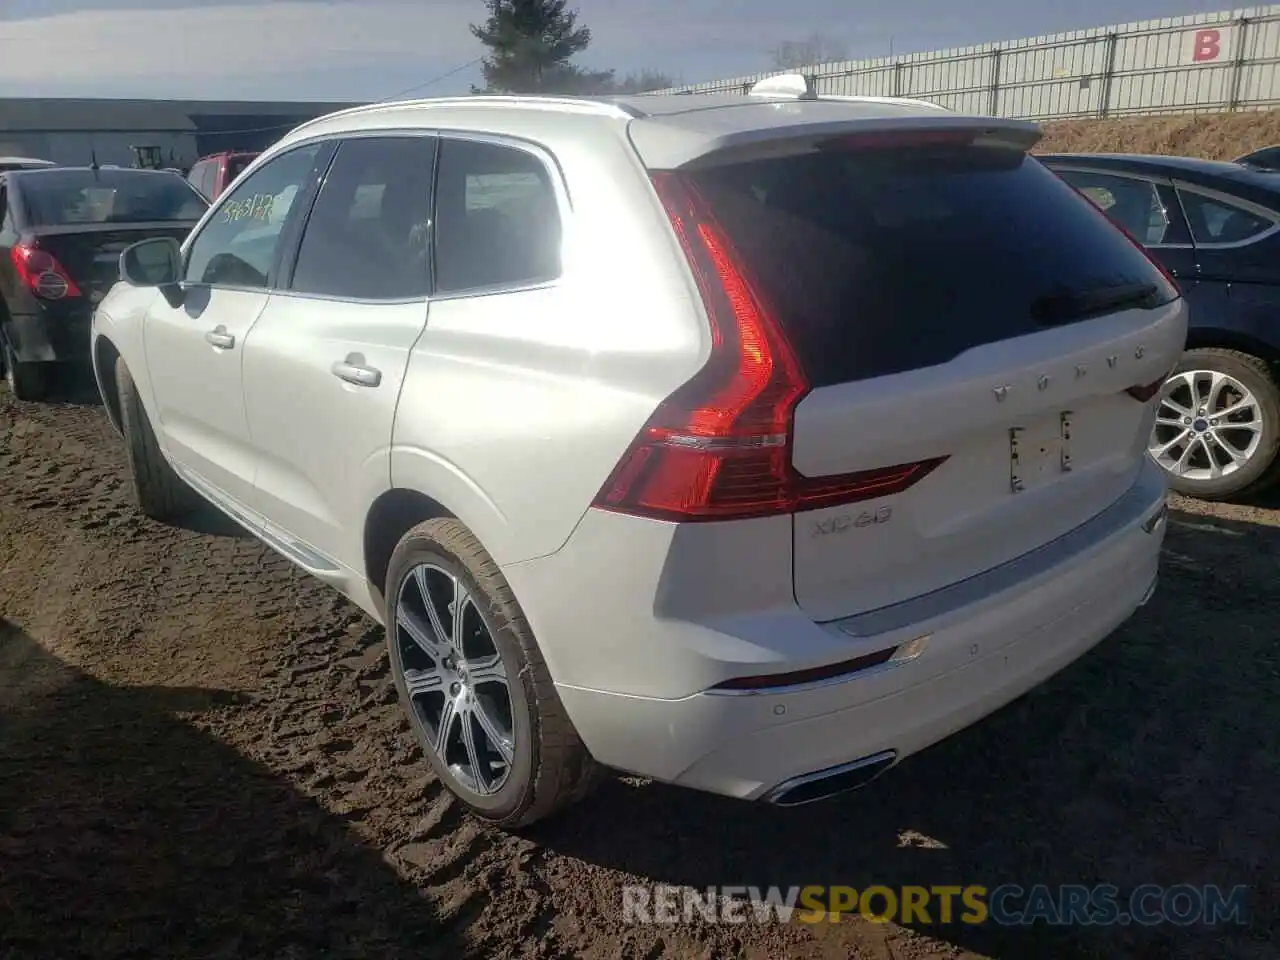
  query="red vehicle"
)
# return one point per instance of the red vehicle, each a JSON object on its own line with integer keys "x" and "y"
{"x": 213, "y": 174}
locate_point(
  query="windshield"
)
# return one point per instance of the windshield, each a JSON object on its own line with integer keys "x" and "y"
{"x": 880, "y": 261}
{"x": 66, "y": 197}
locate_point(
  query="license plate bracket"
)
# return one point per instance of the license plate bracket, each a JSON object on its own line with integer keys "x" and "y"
{"x": 1039, "y": 452}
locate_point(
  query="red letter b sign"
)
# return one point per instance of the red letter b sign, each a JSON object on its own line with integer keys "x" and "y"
{"x": 1207, "y": 45}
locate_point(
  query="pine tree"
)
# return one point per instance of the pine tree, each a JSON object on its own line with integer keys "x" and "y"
{"x": 530, "y": 45}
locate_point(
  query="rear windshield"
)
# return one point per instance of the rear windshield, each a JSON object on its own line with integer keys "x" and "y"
{"x": 881, "y": 261}
{"x": 237, "y": 164}
{"x": 67, "y": 197}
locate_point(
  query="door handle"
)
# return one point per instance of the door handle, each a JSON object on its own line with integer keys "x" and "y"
{"x": 219, "y": 337}
{"x": 355, "y": 370}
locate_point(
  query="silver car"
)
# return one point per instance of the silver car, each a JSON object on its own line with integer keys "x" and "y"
{"x": 744, "y": 442}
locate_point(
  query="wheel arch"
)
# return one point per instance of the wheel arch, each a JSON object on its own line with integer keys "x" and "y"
{"x": 105, "y": 355}
{"x": 1199, "y": 338}
{"x": 393, "y": 514}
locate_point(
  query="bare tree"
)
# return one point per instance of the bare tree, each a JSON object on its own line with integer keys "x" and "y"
{"x": 816, "y": 48}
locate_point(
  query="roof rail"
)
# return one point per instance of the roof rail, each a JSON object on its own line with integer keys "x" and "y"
{"x": 596, "y": 105}
{"x": 799, "y": 86}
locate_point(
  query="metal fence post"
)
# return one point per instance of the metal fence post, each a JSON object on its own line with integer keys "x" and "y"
{"x": 1108, "y": 74}
{"x": 994, "y": 105}
{"x": 1237, "y": 71}
{"x": 897, "y": 78}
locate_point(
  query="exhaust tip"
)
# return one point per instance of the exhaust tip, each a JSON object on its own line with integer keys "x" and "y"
{"x": 823, "y": 784}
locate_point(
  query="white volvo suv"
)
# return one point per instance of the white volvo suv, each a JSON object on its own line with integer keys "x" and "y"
{"x": 748, "y": 443}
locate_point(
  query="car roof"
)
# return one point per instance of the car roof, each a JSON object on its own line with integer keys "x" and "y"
{"x": 668, "y": 130}
{"x": 56, "y": 169}
{"x": 36, "y": 160}
{"x": 1189, "y": 168}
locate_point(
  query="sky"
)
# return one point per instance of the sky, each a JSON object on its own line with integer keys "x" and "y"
{"x": 376, "y": 49}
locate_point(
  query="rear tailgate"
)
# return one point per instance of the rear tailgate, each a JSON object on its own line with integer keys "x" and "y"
{"x": 90, "y": 253}
{"x": 954, "y": 305}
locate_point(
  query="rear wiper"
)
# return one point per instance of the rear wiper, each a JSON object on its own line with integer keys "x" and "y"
{"x": 1082, "y": 304}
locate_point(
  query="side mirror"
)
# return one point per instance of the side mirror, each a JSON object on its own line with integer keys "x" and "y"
{"x": 152, "y": 263}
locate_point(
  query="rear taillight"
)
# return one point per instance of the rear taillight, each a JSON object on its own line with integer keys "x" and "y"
{"x": 42, "y": 274}
{"x": 719, "y": 448}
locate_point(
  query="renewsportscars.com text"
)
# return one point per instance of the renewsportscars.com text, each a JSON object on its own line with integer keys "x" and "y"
{"x": 1006, "y": 905}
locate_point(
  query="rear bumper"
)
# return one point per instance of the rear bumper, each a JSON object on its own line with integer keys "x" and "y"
{"x": 51, "y": 334}
{"x": 977, "y": 650}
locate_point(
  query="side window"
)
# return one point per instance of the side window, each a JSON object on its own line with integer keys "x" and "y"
{"x": 239, "y": 243}
{"x": 369, "y": 233}
{"x": 1134, "y": 204}
{"x": 497, "y": 222}
{"x": 1217, "y": 221}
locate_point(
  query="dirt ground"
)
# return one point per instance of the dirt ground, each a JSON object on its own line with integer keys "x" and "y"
{"x": 201, "y": 756}
{"x": 1222, "y": 136}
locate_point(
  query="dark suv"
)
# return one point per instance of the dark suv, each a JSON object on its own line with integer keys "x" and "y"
{"x": 1215, "y": 226}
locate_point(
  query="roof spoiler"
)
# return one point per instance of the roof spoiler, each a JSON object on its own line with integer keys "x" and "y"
{"x": 667, "y": 143}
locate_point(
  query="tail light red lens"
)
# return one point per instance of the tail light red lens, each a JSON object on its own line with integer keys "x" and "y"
{"x": 42, "y": 274}
{"x": 720, "y": 447}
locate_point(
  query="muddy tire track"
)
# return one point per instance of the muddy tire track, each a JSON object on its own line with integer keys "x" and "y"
{"x": 190, "y": 722}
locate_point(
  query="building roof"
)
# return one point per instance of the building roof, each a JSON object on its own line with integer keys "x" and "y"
{"x": 101, "y": 115}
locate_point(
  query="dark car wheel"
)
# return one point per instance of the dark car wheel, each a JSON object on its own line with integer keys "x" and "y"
{"x": 158, "y": 490}
{"x": 1217, "y": 430}
{"x": 473, "y": 682}
{"x": 27, "y": 381}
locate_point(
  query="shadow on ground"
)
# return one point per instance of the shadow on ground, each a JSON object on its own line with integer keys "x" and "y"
{"x": 211, "y": 521}
{"x": 125, "y": 831}
{"x": 1154, "y": 759}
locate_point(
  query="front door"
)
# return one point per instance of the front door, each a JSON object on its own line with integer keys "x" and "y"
{"x": 324, "y": 363}
{"x": 195, "y": 341}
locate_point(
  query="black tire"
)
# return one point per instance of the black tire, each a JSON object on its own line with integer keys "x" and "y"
{"x": 27, "y": 381}
{"x": 158, "y": 491}
{"x": 551, "y": 768}
{"x": 1263, "y": 469}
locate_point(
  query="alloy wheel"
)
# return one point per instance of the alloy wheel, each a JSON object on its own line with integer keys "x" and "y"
{"x": 456, "y": 679}
{"x": 1208, "y": 426}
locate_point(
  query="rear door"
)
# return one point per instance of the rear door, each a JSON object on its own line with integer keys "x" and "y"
{"x": 959, "y": 307}
{"x": 324, "y": 363}
{"x": 1228, "y": 232}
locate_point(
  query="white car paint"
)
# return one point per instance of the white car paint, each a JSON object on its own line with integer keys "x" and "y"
{"x": 511, "y": 408}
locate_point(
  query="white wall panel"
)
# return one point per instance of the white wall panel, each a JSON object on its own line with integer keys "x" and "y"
{"x": 1202, "y": 63}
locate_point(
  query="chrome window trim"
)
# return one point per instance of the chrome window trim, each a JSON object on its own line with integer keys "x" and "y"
{"x": 1240, "y": 203}
{"x": 1154, "y": 180}
{"x": 564, "y": 209}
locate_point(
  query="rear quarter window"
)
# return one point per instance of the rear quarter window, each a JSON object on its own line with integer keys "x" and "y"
{"x": 882, "y": 261}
